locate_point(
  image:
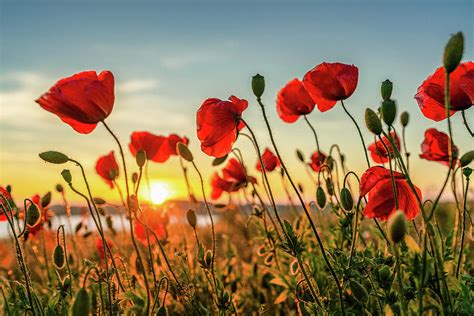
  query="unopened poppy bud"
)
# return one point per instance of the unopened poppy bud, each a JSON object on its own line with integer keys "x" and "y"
{"x": 218, "y": 161}
{"x": 141, "y": 158}
{"x": 67, "y": 176}
{"x": 185, "y": 152}
{"x": 404, "y": 118}
{"x": 191, "y": 216}
{"x": 330, "y": 186}
{"x": 386, "y": 90}
{"x": 300, "y": 155}
{"x": 58, "y": 257}
{"x": 359, "y": 292}
{"x": 384, "y": 273}
{"x": 466, "y": 158}
{"x": 208, "y": 258}
{"x": 82, "y": 303}
{"x": 54, "y": 157}
{"x": 467, "y": 172}
{"x": 389, "y": 111}
{"x": 397, "y": 226}
{"x": 134, "y": 177}
{"x": 59, "y": 188}
{"x": 258, "y": 85}
{"x": 45, "y": 199}
{"x": 330, "y": 162}
{"x": 320, "y": 197}
{"x": 372, "y": 122}
{"x": 33, "y": 215}
{"x": 453, "y": 52}
{"x": 346, "y": 199}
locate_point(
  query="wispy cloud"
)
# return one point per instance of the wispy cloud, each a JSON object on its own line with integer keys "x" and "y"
{"x": 137, "y": 86}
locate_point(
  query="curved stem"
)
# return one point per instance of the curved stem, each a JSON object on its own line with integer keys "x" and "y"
{"x": 360, "y": 133}
{"x": 466, "y": 124}
{"x": 303, "y": 204}
{"x": 400, "y": 280}
{"x": 458, "y": 266}
{"x": 314, "y": 132}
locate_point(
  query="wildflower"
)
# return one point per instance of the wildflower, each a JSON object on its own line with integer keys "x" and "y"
{"x": 270, "y": 161}
{"x": 155, "y": 147}
{"x": 233, "y": 179}
{"x": 157, "y": 221}
{"x": 293, "y": 101}
{"x": 107, "y": 167}
{"x": 377, "y": 149}
{"x": 317, "y": 160}
{"x": 435, "y": 147}
{"x": 99, "y": 246}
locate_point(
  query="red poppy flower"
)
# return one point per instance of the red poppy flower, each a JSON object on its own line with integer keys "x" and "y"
{"x": 270, "y": 161}
{"x": 377, "y": 149}
{"x": 218, "y": 123}
{"x": 156, "y": 220}
{"x": 233, "y": 179}
{"x": 155, "y": 147}
{"x": 328, "y": 83}
{"x": 82, "y": 100}
{"x": 173, "y": 140}
{"x": 45, "y": 216}
{"x": 107, "y": 167}
{"x": 317, "y": 160}
{"x": 435, "y": 147}
{"x": 376, "y": 182}
{"x": 293, "y": 101}
{"x": 5, "y": 194}
{"x": 430, "y": 95}
{"x": 99, "y": 246}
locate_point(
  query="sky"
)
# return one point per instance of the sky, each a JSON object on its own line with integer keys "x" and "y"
{"x": 167, "y": 57}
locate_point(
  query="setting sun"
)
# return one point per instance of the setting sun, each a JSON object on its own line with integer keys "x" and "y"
{"x": 159, "y": 192}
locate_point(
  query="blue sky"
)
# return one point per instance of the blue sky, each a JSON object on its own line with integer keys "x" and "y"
{"x": 168, "y": 57}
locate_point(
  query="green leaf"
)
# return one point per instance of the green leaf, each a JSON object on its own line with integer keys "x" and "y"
{"x": 82, "y": 303}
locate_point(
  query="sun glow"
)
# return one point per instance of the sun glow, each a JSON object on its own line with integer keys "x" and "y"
{"x": 159, "y": 192}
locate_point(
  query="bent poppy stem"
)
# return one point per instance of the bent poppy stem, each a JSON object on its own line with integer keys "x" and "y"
{"x": 186, "y": 180}
{"x": 213, "y": 272}
{"x": 303, "y": 204}
{"x": 130, "y": 217}
{"x": 458, "y": 266}
{"x": 407, "y": 154}
{"x": 354, "y": 233}
{"x": 466, "y": 124}
{"x": 360, "y": 133}
{"x": 314, "y": 132}
{"x": 19, "y": 252}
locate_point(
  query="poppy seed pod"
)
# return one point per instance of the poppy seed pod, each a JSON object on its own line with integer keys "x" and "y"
{"x": 386, "y": 90}
{"x": 404, "y": 118}
{"x": 389, "y": 111}
{"x": 59, "y": 188}
{"x": 66, "y": 174}
{"x": 208, "y": 258}
{"x": 258, "y": 85}
{"x": 372, "y": 122}
{"x": 58, "y": 257}
{"x": 54, "y": 157}
{"x": 346, "y": 199}
{"x": 134, "y": 177}
{"x": 397, "y": 226}
{"x": 320, "y": 197}
{"x": 453, "y": 52}
{"x": 184, "y": 152}
{"x": 141, "y": 158}
{"x": 467, "y": 172}
{"x": 191, "y": 216}
{"x": 466, "y": 158}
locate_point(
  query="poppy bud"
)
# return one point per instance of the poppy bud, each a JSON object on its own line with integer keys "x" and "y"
{"x": 141, "y": 158}
{"x": 300, "y": 155}
{"x": 208, "y": 258}
{"x": 453, "y": 52}
{"x": 59, "y": 188}
{"x": 258, "y": 85}
{"x": 58, "y": 257}
{"x": 218, "y": 161}
{"x": 330, "y": 186}
{"x": 185, "y": 152}
{"x": 320, "y": 197}
{"x": 467, "y": 172}
{"x": 191, "y": 216}
{"x": 397, "y": 226}
{"x": 372, "y": 122}
{"x": 82, "y": 303}
{"x": 33, "y": 215}
{"x": 67, "y": 176}
{"x": 54, "y": 157}
{"x": 134, "y": 177}
{"x": 386, "y": 89}
{"x": 330, "y": 162}
{"x": 359, "y": 292}
{"x": 467, "y": 158}
{"x": 384, "y": 273}
{"x": 404, "y": 118}
{"x": 162, "y": 311}
{"x": 98, "y": 201}
{"x": 346, "y": 199}
{"x": 389, "y": 111}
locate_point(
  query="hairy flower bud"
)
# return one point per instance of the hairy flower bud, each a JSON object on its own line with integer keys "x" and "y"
{"x": 404, "y": 118}
{"x": 58, "y": 257}
{"x": 372, "y": 122}
{"x": 141, "y": 158}
{"x": 346, "y": 199}
{"x": 386, "y": 90}
{"x": 389, "y": 111}
{"x": 67, "y": 176}
{"x": 258, "y": 85}
{"x": 192, "y": 220}
{"x": 54, "y": 157}
{"x": 397, "y": 226}
{"x": 466, "y": 158}
{"x": 300, "y": 155}
{"x": 453, "y": 52}
{"x": 320, "y": 197}
{"x": 184, "y": 152}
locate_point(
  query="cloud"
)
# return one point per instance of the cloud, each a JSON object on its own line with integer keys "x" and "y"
{"x": 137, "y": 85}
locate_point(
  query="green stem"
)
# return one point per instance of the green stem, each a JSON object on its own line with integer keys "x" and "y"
{"x": 314, "y": 132}
{"x": 400, "y": 280}
{"x": 466, "y": 124}
{"x": 458, "y": 267}
{"x": 360, "y": 133}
